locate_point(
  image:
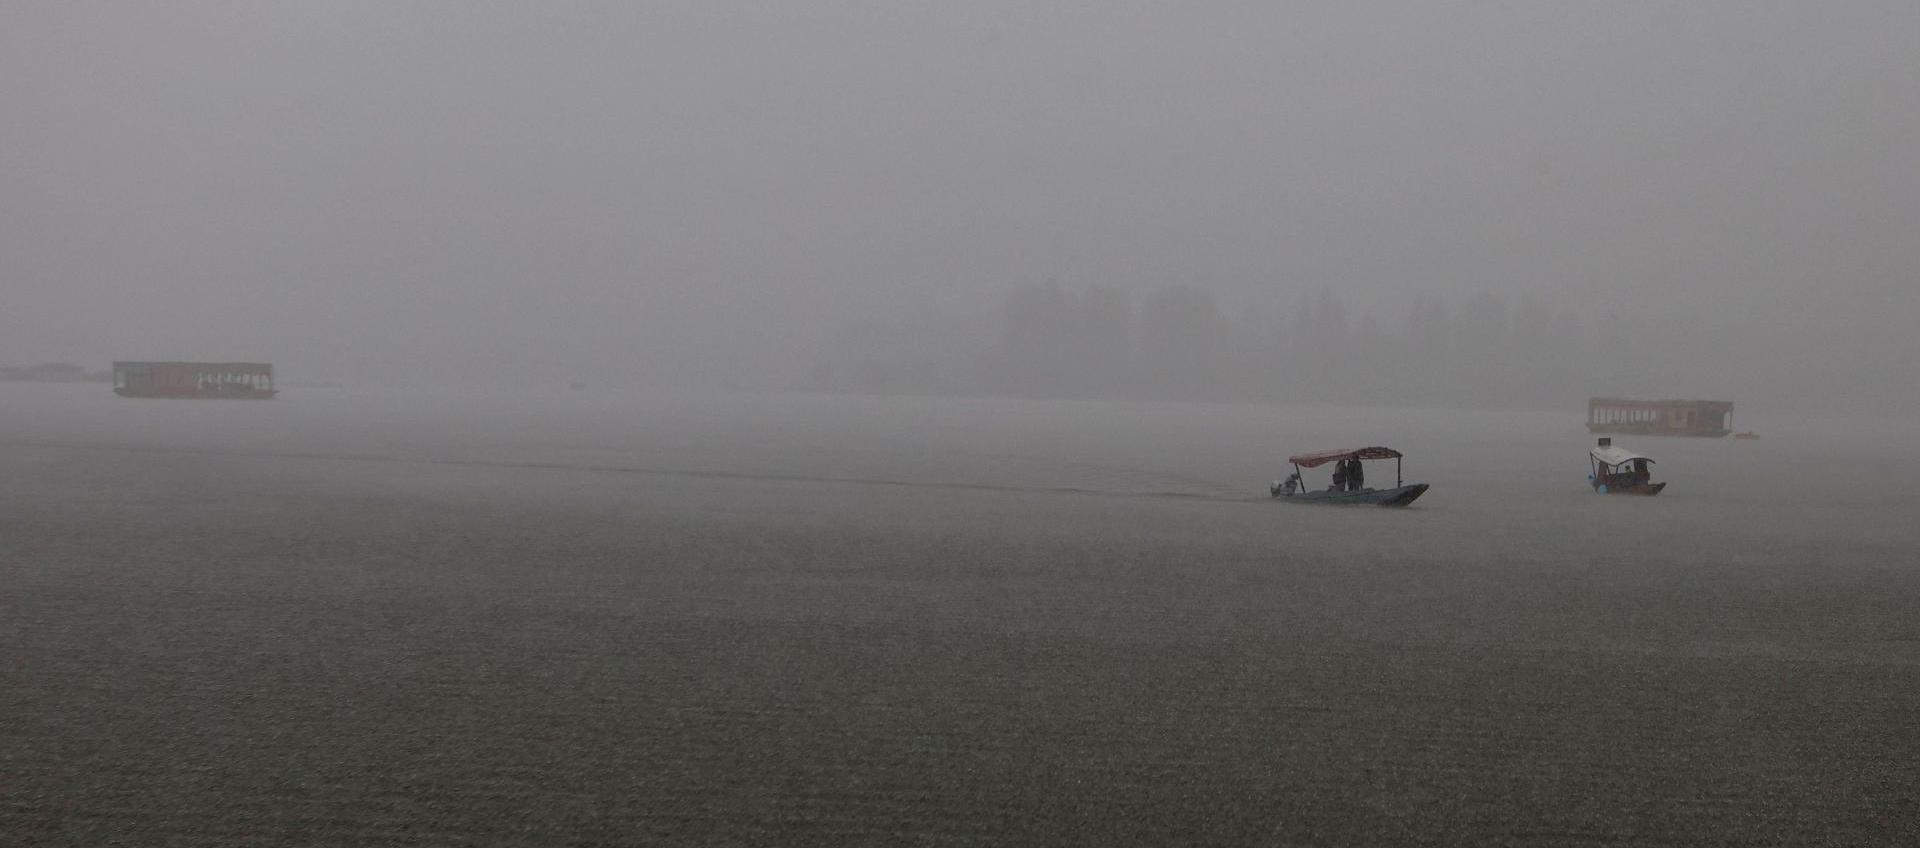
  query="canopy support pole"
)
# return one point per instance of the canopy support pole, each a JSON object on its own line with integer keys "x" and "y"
{"x": 1397, "y": 482}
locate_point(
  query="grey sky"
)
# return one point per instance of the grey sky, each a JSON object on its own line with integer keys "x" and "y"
{"x": 534, "y": 188}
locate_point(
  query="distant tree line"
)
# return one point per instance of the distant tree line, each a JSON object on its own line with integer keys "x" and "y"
{"x": 1177, "y": 343}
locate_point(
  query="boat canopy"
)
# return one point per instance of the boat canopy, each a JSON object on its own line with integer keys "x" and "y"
{"x": 1309, "y": 460}
{"x": 1616, "y": 456}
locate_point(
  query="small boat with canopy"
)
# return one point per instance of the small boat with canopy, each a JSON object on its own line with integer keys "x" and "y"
{"x": 1349, "y": 479}
{"x": 1618, "y": 471}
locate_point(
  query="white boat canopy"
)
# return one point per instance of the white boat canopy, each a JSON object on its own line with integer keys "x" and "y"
{"x": 1614, "y": 455}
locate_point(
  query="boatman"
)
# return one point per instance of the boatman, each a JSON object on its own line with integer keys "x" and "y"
{"x": 1356, "y": 475}
{"x": 1339, "y": 477}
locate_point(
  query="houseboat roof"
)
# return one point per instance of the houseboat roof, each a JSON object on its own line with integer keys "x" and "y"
{"x": 1309, "y": 460}
{"x": 1618, "y": 401}
{"x": 1616, "y": 455}
{"x": 227, "y": 366}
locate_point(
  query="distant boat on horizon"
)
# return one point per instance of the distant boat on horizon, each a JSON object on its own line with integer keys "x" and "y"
{"x": 201, "y": 380}
{"x": 1710, "y": 419}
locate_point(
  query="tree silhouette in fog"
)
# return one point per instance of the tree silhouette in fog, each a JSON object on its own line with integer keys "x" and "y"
{"x": 1488, "y": 351}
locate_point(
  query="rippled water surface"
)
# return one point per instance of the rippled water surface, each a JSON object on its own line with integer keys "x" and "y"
{"x": 574, "y": 618}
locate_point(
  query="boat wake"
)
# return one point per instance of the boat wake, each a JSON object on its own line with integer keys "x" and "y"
{"x": 1200, "y": 490}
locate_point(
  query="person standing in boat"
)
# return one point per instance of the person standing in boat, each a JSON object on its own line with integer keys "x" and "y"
{"x": 1339, "y": 477}
{"x": 1356, "y": 475}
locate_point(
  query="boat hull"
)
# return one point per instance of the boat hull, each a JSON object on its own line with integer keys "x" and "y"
{"x": 1397, "y": 496}
{"x": 1647, "y": 489}
{"x": 1652, "y": 430}
{"x": 204, "y": 394}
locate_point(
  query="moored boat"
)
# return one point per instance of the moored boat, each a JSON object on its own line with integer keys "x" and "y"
{"x": 1703, "y": 418}
{"x": 1617, "y": 471}
{"x": 1348, "y": 487}
{"x": 206, "y": 380}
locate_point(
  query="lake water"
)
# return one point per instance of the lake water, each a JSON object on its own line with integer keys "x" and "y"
{"x": 578, "y": 618}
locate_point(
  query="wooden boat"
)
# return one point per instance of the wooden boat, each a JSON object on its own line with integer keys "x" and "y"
{"x": 1618, "y": 471}
{"x": 1704, "y": 418}
{"x": 1347, "y": 488}
{"x": 206, "y": 380}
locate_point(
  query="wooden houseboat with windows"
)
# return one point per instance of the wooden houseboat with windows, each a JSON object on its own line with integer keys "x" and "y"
{"x": 1706, "y": 418}
{"x": 212, "y": 380}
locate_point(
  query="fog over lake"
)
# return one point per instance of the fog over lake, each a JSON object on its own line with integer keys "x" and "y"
{"x": 1711, "y": 201}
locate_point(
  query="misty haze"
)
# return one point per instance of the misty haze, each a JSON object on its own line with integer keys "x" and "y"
{"x": 870, "y": 423}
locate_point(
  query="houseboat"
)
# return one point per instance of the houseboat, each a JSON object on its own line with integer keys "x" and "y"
{"x": 212, "y": 380}
{"x": 1707, "y": 418}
